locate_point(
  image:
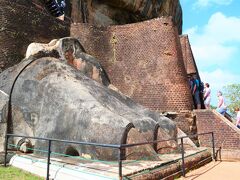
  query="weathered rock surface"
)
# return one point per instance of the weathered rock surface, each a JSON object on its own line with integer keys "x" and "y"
{"x": 113, "y": 12}
{"x": 72, "y": 51}
{"x": 32, "y": 23}
{"x": 54, "y": 99}
{"x": 61, "y": 93}
{"x": 25, "y": 146}
{"x": 3, "y": 101}
{"x": 109, "y": 12}
{"x": 22, "y": 23}
{"x": 9, "y": 156}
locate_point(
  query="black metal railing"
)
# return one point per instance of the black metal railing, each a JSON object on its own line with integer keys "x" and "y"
{"x": 120, "y": 147}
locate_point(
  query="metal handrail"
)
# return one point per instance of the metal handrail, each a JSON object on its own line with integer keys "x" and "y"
{"x": 157, "y": 141}
{"x": 108, "y": 145}
{"x": 120, "y": 147}
{"x": 116, "y": 146}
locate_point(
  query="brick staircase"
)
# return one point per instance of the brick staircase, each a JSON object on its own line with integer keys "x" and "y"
{"x": 227, "y": 135}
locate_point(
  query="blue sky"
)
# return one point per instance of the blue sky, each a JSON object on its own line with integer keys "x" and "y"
{"x": 213, "y": 27}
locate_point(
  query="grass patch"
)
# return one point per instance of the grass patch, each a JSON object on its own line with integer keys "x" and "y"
{"x": 12, "y": 173}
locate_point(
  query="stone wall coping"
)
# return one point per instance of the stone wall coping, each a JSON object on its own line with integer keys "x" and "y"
{"x": 231, "y": 125}
{"x": 163, "y": 19}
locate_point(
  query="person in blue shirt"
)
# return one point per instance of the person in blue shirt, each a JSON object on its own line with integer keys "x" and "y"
{"x": 196, "y": 92}
{"x": 56, "y": 8}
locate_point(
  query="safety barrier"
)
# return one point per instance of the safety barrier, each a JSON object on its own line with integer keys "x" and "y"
{"x": 119, "y": 147}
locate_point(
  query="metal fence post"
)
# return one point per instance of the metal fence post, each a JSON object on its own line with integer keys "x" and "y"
{"x": 183, "y": 163}
{"x": 6, "y": 149}
{"x": 49, "y": 156}
{"x": 213, "y": 146}
{"x": 120, "y": 163}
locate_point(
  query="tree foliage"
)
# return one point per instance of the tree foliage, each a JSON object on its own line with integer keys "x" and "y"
{"x": 232, "y": 94}
{"x": 213, "y": 107}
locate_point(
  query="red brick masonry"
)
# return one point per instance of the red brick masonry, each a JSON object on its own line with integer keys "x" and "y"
{"x": 188, "y": 58}
{"x": 143, "y": 60}
{"x": 227, "y": 135}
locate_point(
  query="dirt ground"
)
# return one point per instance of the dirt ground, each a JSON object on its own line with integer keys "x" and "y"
{"x": 216, "y": 171}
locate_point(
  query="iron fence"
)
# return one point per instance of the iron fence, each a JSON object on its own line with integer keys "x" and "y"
{"x": 119, "y": 147}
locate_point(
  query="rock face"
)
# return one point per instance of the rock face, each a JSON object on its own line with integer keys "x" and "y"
{"x": 64, "y": 93}
{"x": 115, "y": 46}
{"x": 32, "y": 23}
{"x": 3, "y": 101}
{"x": 109, "y": 12}
{"x": 51, "y": 98}
{"x": 113, "y": 12}
{"x": 71, "y": 50}
{"x": 22, "y": 23}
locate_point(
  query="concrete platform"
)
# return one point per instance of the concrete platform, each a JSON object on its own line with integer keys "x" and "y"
{"x": 75, "y": 168}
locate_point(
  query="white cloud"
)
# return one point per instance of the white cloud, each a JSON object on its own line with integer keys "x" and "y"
{"x": 192, "y": 30}
{"x": 205, "y": 3}
{"x": 222, "y": 28}
{"x": 217, "y": 80}
{"x": 217, "y": 42}
{"x": 213, "y": 54}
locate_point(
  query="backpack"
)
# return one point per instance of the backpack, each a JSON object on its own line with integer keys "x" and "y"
{"x": 199, "y": 84}
{"x": 56, "y": 7}
{"x": 201, "y": 87}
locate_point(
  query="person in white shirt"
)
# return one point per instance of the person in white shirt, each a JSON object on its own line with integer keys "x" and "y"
{"x": 207, "y": 96}
{"x": 221, "y": 108}
{"x": 238, "y": 117}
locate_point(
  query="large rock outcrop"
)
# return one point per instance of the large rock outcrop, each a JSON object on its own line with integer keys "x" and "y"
{"x": 109, "y": 12}
{"x": 21, "y": 23}
{"x": 26, "y": 21}
{"x": 113, "y": 12}
{"x": 51, "y": 98}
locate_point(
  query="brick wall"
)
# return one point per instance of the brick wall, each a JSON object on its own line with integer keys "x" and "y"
{"x": 183, "y": 122}
{"x": 143, "y": 60}
{"x": 227, "y": 135}
{"x": 186, "y": 121}
{"x": 188, "y": 57}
